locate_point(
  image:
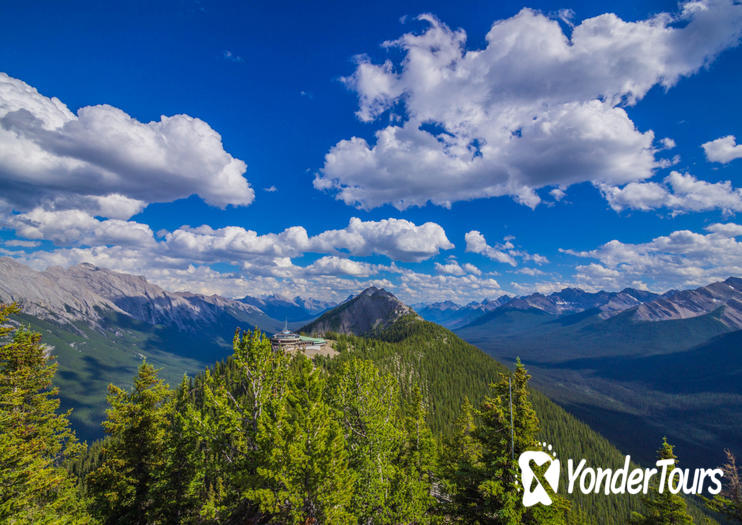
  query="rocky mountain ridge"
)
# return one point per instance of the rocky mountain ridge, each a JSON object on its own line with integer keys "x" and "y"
{"x": 86, "y": 293}
{"x": 725, "y": 296}
{"x": 575, "y": 300}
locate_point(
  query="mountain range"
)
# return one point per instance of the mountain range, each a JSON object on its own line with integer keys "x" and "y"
{"x": 452, "y": 315}
{"x": 87, "y": 293}
{"x": 293, "y": 310}
{"x": 643, "y": 305}
{"x": 655, "y": 365}
{"x": 660, "y": 364}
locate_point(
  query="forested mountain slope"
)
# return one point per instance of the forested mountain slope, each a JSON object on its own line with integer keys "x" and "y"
{"x": 91, "y": 358}
{"x": 449, "y": 370}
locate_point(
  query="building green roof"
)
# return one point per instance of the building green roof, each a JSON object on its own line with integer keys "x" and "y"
{"x": 315, "y": 340}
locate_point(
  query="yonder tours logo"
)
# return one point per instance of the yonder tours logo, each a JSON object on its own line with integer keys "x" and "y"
{"x": 624, "y": 480}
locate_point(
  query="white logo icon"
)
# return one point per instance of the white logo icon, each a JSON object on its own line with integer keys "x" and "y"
{"x": 533, "y": 491}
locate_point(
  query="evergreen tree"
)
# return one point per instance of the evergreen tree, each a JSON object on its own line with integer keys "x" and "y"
{"x": 34, "y": 438}
{"x": 663, "y": 508}
{"x": 179, "y": 489}
{"x": 502, "y": 443}
{"x": 305, "y": 477}
{"x": 482, "y": 458}
{"x": 391, "y": 447}
{"x": 82, "y": 465}
{"x": 240, "y": 406}
{"x": 123, "y": 486}
{"x": 461, "y": 467}
{"x": 729, "y": 501}
{"x": 417, "y": 463}
{"x": 367, "y": 402}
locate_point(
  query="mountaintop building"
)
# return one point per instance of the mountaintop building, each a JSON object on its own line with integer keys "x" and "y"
{"x": 287, "y": 340}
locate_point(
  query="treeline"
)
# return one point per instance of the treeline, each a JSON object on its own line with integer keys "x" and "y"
{"x": 267, "y": 437}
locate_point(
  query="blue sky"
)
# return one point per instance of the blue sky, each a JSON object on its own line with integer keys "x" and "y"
{"x": 481, "y": 148}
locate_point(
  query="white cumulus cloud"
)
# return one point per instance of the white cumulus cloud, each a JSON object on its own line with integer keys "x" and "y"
{"x": 534, "y": 108}
{"x": 470, "y": 268}
{"x": 452, "y": 268}
{"x": 476, "y": 243}
{"x": 680, "y": 259}
{"x": 679, "y": 192}
{"x": 106, "y": 162}
{"x": 505, "y": 252}
{"x": 76, "y": 227}
{"x": 414, "y": 287}
{"x": 397, "y": 239}
{"x": 333, "y": 265}
{"x": 724, "y": 149}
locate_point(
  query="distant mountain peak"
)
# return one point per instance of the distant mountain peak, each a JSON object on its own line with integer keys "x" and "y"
{"x": 453, "y": 315}
{"x": 569, "y": 300}
{"x": 285, "y": 307}
{"x": 372, "y": 309}
{"x": 373, "y": 290}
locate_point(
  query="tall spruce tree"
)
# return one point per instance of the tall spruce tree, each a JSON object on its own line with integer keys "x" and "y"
{"x": 502, "y": 443}
{"x": 305, "y": 477}
{"x": 481, "y": 458}
{"x": 663, "y": 508}
{"x": 418, "y": 463}
{"x": 390, "y": 445}
{"x": 239, "y": 408}
{"x": 179, "y": 489}
{"x": 34, "y": 437}
{"x": 367, "y": 403}
{"x": 123, "y": 486}
{"x": 210, "y": 430}
{"x": 461, "y": 467}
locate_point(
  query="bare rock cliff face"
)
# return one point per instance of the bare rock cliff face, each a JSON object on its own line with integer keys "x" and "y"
{"x": 50, "y": 295}
{"x": 85, "y": 293}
